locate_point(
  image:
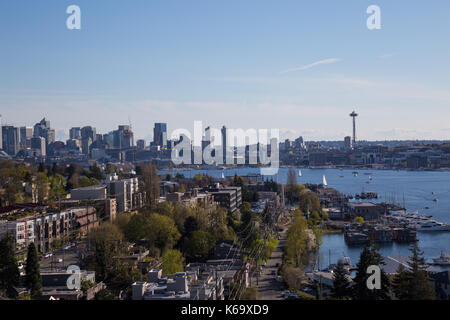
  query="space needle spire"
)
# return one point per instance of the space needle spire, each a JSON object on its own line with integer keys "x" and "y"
{"x": 354, "y": 115}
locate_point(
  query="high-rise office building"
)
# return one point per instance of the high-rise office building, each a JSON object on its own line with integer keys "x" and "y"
{"x": 26, "y": 133}
{"x": 348, "y": 143}
{"x": 160, "y": 135}
{"x": 224, "y": 144}
{"x": 43, "y": 129}
{"x": 11, "y": 140}
{"x": 123, "y": 137}
{"x": 140, "y": 144}
{"x": 38, "y": 145}
{"x": 75, "y": 133}
{"x": 89, "y": 132}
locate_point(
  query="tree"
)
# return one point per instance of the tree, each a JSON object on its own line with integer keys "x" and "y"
{"x": 359, "y": 219}
{"x": 341, "y": 283}
{"x": 296, "y": 244}
{"x": 199, "y": 245}
{"x": 95, "y": 172}
{"x": 400, "y": 283}
{"x": 105, "y": 294}
{"x": 9, "y": 271}
{"x": 292, "y": 177}
{"x": 370, "y": 256}
{"x": 173, "y": 262}
{"x": 161, "y": 231}
{"x": 105, "y": 243}
{"x": 87, "y": 182}
{"x": 190, "y": 225}
{"x": 42, "y": 186}
{"x": 414, "y": 283}
{"x": 33, "y": 280}
{"x": 151, "y": 183}
{"x": 250, "y": 294}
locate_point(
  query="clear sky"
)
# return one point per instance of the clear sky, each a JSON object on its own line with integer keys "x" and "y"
{"x": 300, "y": 66}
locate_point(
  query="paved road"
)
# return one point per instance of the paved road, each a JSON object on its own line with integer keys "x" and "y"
{"x": 51, "y": 263}
{"x": 269, "y": 288}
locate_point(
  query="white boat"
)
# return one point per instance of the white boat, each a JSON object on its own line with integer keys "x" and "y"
{"x": 430, "y": 225}
{"x": 324, "y": 181}
{"x": 223, "y": 176}
{"x": 443, "y": 260}
{"x": 299, "y": 172}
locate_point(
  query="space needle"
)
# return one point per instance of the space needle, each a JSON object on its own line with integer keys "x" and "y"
{"x": 354, "y": 115}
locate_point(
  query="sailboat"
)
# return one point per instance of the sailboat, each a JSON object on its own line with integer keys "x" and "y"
{"x": 299, "y": 172}
{"x": 324, "y": 181}
{"x": 223, "y": 176}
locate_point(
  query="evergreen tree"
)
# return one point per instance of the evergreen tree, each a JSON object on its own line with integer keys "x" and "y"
{"x": 419, "y": 287}
{"x": 341, "y": 283}
{"x": 400, "y": 283}
{"x": 370, "y": 256}
{"x": 9, "y": 271}
{"x": 33, "y": 280}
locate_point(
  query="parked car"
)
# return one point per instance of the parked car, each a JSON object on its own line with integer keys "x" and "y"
{"x": 285, "y": 293}
{"x": 273, "y": 272}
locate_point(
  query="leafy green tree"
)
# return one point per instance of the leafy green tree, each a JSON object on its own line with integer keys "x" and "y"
{"x": 9, "y": 271}
{"x": 105, "y": 243}
{"x": 33, "y": 280}
{"x": 95, "y": 172}
{"x": 199, "y": 245}
{"x": 296, "y": 243}
{"x": 190, "y": 225}
{"x": 105, "y": 294}
{"x": 173, "y": 262}
{"x": 87, "y": 182}
{"x": 151, "y": 183}
{"x": 250, "y": 293}
{"x": 162, "y": 231}
{"x": 341, "y": 284}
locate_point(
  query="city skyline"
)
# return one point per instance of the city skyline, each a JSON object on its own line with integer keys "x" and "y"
{"x": 300, "y": 68}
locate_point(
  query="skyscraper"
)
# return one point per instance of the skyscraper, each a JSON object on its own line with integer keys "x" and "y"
{"x": 347, "y": 142}
{"x": 75, "y": 133}
{"x": 38, "y": 145}
{"x": 224, "y": 144}
{"x": 26, "y": 133}
{"x": 123, "y": 137}
{"x": 11, "y": 140}
{"x": 160, "y": 135}
{"x": 42, "y": 129}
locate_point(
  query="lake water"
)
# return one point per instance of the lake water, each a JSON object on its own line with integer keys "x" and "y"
{"x": 416, "y": 189}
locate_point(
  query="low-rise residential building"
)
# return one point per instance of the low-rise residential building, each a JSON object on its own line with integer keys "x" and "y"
{"x": 227, "y": 197}
{"x": 191, "y": 285}
{"x": 97, "y": 192}
{"x": 43, "y": 228}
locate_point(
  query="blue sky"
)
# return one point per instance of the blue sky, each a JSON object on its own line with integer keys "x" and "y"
{"x": 300, "y": 66}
